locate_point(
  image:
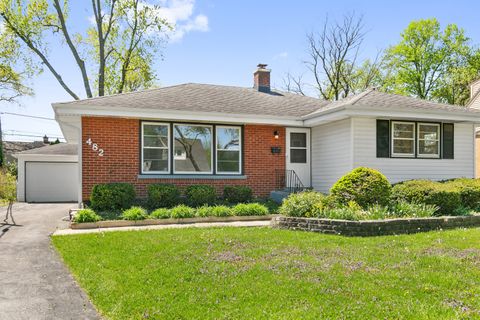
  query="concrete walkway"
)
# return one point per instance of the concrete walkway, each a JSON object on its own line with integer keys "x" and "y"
{"x": 170, "y": 226}
{"x": 34, "y": 283}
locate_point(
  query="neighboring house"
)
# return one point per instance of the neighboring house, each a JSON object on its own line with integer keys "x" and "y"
{"x": 12, "y": 147}
{"x": 259, "y": 137}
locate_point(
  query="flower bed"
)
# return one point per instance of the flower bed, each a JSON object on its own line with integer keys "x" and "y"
{"x": 148, "y": 222}
{"x": 375, "y": 227}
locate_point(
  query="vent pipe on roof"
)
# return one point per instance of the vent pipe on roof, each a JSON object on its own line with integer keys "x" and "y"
{"x": 261, "y": 78}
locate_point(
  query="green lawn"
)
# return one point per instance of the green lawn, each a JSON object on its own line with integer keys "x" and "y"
{"x": 260, "y": 273}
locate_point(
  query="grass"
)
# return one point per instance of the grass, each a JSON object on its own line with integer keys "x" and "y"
{"x": 262, "y": 273}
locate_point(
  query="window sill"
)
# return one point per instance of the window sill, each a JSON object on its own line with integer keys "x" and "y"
{"x": 192, "y": 176}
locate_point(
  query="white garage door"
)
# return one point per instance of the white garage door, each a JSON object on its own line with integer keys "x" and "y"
{"x": 51, "y": 181}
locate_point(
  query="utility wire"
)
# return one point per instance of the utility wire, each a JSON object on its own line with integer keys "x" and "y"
{"x": 29, "y": 135}
{"x": 26, "y": 115}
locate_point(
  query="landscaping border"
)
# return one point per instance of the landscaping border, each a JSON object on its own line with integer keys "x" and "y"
{"x": 375, "y": 227}
{"x": 150, "y": 222}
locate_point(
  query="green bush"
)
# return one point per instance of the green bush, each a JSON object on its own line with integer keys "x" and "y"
{"x": 350, "y": 211}
{"x": 162, "y": 195}
{"x": 443, "y": 195}
{"x": 302, "y": 204}
{"x": 86, "y": 215}
{"x": 237, "y": 194}
{"x": 134, "y": 213}
{"x": 182, "y": 211}
{"x": 221, "y": 211}
{"x": 250, "y": 209}
{"x": 403, "y": 209}
{"x": 112, "y": 196}
{"x": 469, "y": 191}
{"x": 365, "y": 186}
{"x": 160, "y": 213}
{"x": 215, "y": 211}
{"x": 200, "y": 194}
{"x": 8, "y": 187}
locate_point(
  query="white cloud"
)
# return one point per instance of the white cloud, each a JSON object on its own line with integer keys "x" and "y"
{"x": 180, "y": 14}
{"x": 281, "y": 55}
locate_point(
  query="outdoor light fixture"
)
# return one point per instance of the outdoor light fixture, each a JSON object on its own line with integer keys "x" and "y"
{"x": 275, "y": 134}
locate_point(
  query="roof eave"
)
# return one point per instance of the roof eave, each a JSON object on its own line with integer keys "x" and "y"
{"x": 62, "y": 110}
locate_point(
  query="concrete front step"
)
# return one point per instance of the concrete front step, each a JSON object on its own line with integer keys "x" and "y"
{"x": 279, "y": 195}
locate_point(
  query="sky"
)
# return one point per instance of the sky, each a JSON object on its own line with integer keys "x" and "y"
{"x": 221, "y": 42}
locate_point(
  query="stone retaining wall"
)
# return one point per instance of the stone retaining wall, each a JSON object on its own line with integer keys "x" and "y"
{"x": 375, "y": 227}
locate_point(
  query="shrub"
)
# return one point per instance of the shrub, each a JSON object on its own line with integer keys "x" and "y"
{"x": 365, "y": 186}
{"x": 86, "y": 215}
{"x": 443, "y": 195}
{"x": 160, "y": 213}
{"x": 237, "y": 194}
{"x": 403, "y": 209}
{"x": 221, "y": 211}
{"x": 250, "y": 209}
{"x": 351, "y": 211}
{"x": 8, "y": 187}
{"x": 182, "y": 211}
{"x": 469, "y": 191}
{"x": 302, "y": 204}
{"x": 112, "y": 196}
{"x": 162, "y": 195}
{"x": 134, "y": 213}
{"x": 200, "y": 194}
{"x": 215, "y": 211}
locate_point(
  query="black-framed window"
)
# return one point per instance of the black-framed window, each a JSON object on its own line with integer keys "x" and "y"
{"x": 191, "y": 148}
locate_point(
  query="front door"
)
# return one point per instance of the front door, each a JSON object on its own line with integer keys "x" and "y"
{"x": 298, "y": 153}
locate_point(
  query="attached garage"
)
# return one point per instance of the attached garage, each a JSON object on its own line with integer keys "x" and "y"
{"x": 48, "y": 174}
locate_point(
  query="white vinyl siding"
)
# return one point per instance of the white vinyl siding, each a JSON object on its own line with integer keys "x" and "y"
{"x": 396, "y": 170}
{"x": 331, "y": 153}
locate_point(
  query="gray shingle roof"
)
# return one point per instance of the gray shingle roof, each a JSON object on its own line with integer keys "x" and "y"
{"x": 194, "y": 97}
{"x": 54, "y": 149}
{"x": 210, "y": 98}
{"x": 376, "y": 99}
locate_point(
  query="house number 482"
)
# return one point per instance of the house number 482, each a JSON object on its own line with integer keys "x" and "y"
{"x": 95, "y": 147}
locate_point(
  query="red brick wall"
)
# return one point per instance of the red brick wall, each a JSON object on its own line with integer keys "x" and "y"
{"x": 120, "y": 140}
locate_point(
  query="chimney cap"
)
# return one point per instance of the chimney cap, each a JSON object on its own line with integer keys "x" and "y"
{"x": 262, "y": 66}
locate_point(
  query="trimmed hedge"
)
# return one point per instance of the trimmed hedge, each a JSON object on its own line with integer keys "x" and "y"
{"x": 237, "y": 194}
{"x": 363, "y": 185}
{"x": 162, "y": 195}
{"x": 200, "y": 194}
{"x": 112, "y": 196}
{"x": 445, "y": 196}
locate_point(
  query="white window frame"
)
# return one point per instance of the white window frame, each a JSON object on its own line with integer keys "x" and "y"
{"x": 403, "y": 155}
{"x": 168, "y": 150}
{"x": 211, "y": 148}
{"x": 299, "y": 148}
{"x": 427, "y": 155}
{"x": 239, "y": 150}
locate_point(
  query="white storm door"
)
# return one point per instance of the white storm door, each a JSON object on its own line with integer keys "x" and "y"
{"x": 298, "y": 153}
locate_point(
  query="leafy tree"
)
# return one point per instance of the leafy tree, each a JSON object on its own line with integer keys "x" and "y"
{"x": 117, "y": 52}
{"x": 15, "y": 68}
{"x": 431, "y": 63}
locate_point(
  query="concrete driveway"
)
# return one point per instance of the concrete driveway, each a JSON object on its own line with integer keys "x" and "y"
{"x": 34, "y": 283}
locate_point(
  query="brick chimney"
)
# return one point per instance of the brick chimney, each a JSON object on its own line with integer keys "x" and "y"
{"x": 261, "y": 78}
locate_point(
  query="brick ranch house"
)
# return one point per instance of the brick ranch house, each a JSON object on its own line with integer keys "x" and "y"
{"x": 260, "y": 137}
